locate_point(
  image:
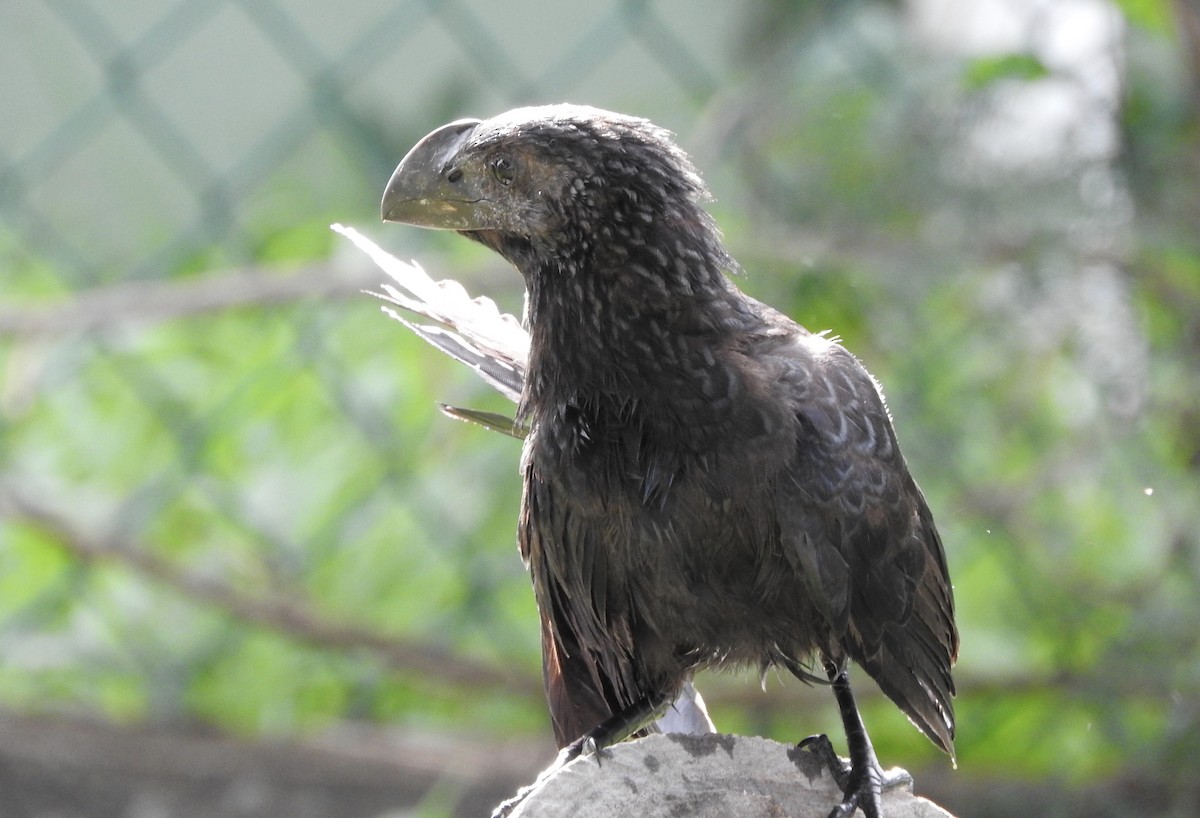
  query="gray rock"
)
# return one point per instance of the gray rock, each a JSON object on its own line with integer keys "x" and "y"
{"x": 710, "y": 776}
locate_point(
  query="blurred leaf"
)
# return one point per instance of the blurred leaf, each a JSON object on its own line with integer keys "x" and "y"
{"x": 302, "y": 241}
{"x": 1153, "y": 15}
{"x": 983, "y": 72}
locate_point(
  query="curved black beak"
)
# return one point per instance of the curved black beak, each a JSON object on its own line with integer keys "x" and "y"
{"x": 429, "y": 189}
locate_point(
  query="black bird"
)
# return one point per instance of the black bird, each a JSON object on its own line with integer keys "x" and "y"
{"x": 706, "y": 483}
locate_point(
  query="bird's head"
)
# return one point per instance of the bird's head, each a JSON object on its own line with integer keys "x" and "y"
{"x": 550, "y": 181}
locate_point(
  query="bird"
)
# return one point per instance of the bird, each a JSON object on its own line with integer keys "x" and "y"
{"x": 706, "y": 484}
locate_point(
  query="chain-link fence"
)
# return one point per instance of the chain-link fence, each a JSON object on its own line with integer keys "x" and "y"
{"x": 141, "y": 136}
{"x": 225, "y": 493}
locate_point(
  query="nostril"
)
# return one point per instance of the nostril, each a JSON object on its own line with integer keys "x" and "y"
{"x": 454, "y": 176}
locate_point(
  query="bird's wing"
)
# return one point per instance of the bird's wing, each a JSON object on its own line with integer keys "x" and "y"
{"x": 587, "y": 642}
{"x": 470, "y": 330}
{"x": 863, "y": 538}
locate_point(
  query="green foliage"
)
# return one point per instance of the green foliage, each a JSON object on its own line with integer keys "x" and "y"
{"x": 985, "y": 71}
{"x": 285, "y": 453}
{"x": 1152, "y": 15}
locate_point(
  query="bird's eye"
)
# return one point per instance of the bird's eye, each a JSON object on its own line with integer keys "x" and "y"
{"x": 502, "y": 169}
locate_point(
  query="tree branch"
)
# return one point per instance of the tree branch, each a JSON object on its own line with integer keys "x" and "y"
{"x": 278, "y": 613}
{"x": 159, "y": 300}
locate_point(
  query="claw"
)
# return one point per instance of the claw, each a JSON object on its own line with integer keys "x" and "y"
{"x": 822, "y": 748}
{"x": 863, "y": 788}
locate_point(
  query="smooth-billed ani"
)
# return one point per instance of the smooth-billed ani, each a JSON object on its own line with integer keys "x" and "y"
{"x": 706, "y": 483}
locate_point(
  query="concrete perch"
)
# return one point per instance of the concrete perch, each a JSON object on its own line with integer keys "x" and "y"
{"x": 710, "y": 776}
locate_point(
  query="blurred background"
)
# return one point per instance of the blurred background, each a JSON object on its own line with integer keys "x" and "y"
{"x": 247, "y": 569}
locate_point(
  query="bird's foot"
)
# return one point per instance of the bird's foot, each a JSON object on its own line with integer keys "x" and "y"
{"x": 862, "y": 787}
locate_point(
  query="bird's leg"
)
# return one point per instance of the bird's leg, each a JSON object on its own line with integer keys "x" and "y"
{"x": 863, "y": 782}
{"x": 616, "y": 727}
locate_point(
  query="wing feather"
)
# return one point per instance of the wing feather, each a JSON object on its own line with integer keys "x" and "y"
{"x": 865, "y": 542}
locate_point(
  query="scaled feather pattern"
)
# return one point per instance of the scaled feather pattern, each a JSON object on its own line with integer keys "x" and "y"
{"x": 473, "y": 331}
{"x": 707, "y": 484}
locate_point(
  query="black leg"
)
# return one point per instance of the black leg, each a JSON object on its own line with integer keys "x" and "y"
{"x": 864, "y": 781}
{"x": 610, "y": 731}
{"x": 615, "y": 728}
